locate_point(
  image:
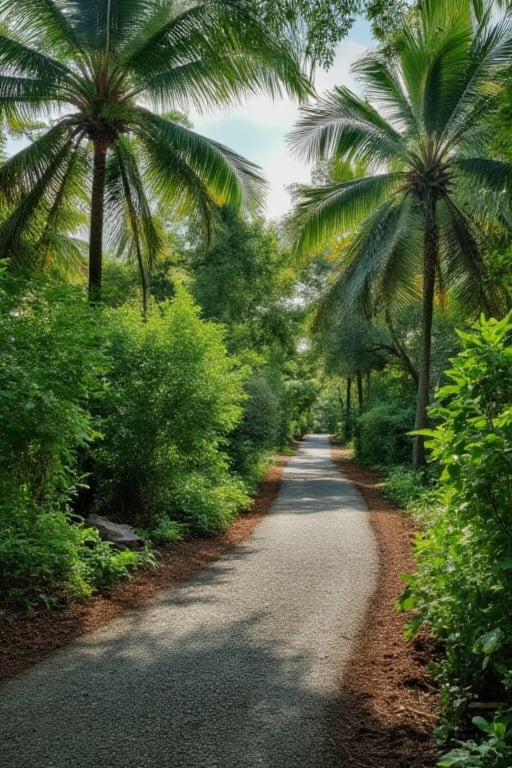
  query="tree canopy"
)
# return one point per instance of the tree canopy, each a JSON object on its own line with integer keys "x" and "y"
{"x": 111, "y": 77}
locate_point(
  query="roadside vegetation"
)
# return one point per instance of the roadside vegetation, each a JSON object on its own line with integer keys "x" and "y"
{"x": 159, "y": 340}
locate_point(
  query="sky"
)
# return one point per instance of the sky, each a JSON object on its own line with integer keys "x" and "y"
{"x": 257, "y": 130}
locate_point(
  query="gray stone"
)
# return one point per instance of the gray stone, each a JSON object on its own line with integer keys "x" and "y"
{"x": 123, "y": 536}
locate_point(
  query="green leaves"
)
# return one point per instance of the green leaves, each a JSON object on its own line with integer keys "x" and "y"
{"x": 464, "y": 558}
{"x": 173, "y": 398}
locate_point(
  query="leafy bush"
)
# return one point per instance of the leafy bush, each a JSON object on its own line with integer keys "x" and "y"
{"x": 51, "y": 368}
{"x": 493, "y": 751}
{"x": 164, "y": 531}
{"x": 407, "y": 487}
{"x": 174, "y": 396}
{"x": 259, "y": 432}
{"x": 464, "y": 580}
{"x": 208, "y": 505}
{"x": 47, "y": 556}
{"x": 382, "y": 438}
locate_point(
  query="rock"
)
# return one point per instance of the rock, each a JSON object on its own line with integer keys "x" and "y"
{"x": 123, "y": 536}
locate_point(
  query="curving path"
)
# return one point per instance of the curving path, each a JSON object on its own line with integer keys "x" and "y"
{"x": 235, "y": 668}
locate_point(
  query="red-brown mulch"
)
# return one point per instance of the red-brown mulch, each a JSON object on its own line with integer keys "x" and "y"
{"x": 387, "y": 706}
{"x": 388, "y": 703}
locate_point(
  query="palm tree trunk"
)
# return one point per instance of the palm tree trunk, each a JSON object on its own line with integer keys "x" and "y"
{"x": 100, "y": 149}
{"x": 431, "y": 246}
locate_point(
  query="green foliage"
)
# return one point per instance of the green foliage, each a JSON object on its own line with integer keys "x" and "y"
{"x": 322, "y": 24}
{"x": 52, "y": 372}
{"x": 173, "y": 397}
{"x": 207, "y": 504}
{"x": 328, "y": 411}
{"x": 46, "y": 556}
{"x": 494, "y": 751}
{"x": 164, "y": 531}
{"x": 51, "y": 369}
{"x": 301, "y": 395}
{"x": 45, "y": 378}
{"x": 243, "y": 281}
{"x": 405, "y": 486}
{"x": 259, "y": 432}
{"x": 464, "y": 580}
{"x": 382, "y": 435}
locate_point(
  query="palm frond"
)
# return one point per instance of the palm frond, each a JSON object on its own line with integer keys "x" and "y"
{"x": 212, "y": 53}
{"x": 17, "y": 58}
{"x": 343, "y": 125}
{"x": 129, "y": 188}
{"x": 490, "y": 51}
{"x": 24, "y": 218}
{"x": 485, "y": 174}
{"x": 335, "y": 209}
{"x": 382, "y": 83}
{"x": 229, "y": 178}
{"x": 378, "y": 267}
{"x": 462, "y": 259}
{"x": 44, "y": 22}
{"x": 384, "y": 256}
{"x": 22, "y": 172}
{"x": 101, "y": 25}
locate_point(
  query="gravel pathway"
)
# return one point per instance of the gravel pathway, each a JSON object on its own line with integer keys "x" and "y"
{"x": 235, "y": 668}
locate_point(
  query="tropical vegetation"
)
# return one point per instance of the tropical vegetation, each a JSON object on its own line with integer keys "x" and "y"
{"x": 424, "y": 139}
{"x": 113, "y": 79}
{"x": 392, "y": 330}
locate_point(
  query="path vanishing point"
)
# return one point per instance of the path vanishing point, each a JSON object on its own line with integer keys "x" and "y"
{"x": 238, "y": 667}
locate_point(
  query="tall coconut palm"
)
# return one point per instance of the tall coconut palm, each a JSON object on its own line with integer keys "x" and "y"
{"x": 110, "y": 76}
{"x": 422, "y": 131}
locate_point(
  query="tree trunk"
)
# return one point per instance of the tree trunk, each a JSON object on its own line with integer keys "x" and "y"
{"x": 360, "y": 395}
{"x": 100, "y": 149}
{"x": 400, "y": 351}
{"x": 430, "y": 253}
{"x": 348, "y": 409}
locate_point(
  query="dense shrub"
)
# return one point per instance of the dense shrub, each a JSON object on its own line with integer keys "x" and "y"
{"x": 408, "y": 487}
{"x": 259, "y": 431}
{"x": 51, "y": 370}
{"x": 381, "y": 437}
{"x": 51, "y": 367}
{"x": 464, "y": 580}
{"x": 174, "y": 395}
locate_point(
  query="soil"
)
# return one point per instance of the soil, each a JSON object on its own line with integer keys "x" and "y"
{"x": 387, "y": 705}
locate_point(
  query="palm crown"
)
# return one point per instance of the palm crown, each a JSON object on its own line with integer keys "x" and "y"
{"x": 107, "y": 73}
{"x": 422, "y": 133}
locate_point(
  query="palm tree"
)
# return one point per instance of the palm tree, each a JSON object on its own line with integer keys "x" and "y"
{"x": 424, "y": 139}
{"x": 111, "y": 76}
